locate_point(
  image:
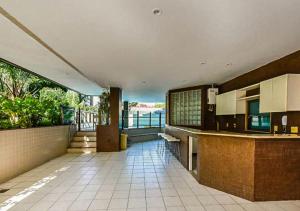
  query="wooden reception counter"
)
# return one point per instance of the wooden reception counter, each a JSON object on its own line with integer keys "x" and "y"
{"x": 257, "y": 167}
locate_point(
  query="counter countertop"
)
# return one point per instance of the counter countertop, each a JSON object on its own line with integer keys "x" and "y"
{"x": 240, "y": 135}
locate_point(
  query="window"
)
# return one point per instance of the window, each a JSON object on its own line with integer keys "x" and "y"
{"x": 185, "y": 108}
{"x": 257, "y": 121}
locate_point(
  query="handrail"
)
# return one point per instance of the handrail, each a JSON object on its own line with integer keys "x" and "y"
{"x": 86, "y": 120}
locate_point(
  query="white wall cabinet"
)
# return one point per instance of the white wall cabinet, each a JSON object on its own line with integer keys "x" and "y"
{"x": 293, "y": 94}
{"x": 266, "y": 96}
{"x": 229, "y": 103}
{"x": 280, "y": 94}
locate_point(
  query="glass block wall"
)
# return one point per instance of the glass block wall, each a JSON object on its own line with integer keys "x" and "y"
{"x": 185, "y": 108}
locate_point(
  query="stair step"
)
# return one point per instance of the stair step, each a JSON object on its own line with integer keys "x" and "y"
{"x": 83, "y": 144}
{"x": 82, "y": 150}
{"x": 84, "y": 138}
{"x": 86, "y": 133}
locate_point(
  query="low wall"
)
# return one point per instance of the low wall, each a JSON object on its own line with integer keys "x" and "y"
{"x": 142, "y": 134}
{"x": 24, "y": 149}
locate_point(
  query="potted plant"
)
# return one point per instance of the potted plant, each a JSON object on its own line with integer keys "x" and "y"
{"x": 103, "y": 111}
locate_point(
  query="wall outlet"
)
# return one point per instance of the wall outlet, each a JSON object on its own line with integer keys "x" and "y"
{"x": 234, "y": 125}
{"x": 294, "y": 129}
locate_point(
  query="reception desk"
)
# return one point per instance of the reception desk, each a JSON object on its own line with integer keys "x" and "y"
{"x": 257, "y": 167}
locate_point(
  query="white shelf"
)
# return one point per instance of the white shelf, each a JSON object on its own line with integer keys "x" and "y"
{"x": 251, "y": 87}
{"x": 249, "y": 97}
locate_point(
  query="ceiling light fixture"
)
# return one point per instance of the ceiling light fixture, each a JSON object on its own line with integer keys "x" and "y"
{"x": 156, "y": 11}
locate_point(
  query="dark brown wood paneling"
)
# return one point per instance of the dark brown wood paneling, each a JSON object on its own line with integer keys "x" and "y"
{"x": 277, "y": 170}
{"x": 209, "y": 117}
{"x": 293, "y": 120}
{"x": 287, "y": 64}
{"x": 234, "y": 123}
{"x": 253, "y": 92}
{"x": 239, "y": 121}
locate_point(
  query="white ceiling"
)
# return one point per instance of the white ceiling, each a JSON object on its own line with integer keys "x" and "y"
{"x": 21, "y": 49}
{"x": 121, "y": 43}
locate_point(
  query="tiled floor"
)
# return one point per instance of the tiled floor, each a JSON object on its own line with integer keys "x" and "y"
{"x": 136, "y": 179}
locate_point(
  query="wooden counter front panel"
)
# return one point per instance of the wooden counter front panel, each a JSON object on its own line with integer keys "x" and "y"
{"x": 227, "y": 164}
{"x": 277, "y": 170}
{"x": 257, "y": 169}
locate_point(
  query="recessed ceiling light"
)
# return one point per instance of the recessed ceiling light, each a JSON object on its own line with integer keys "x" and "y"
{"x": 156, "y": 11}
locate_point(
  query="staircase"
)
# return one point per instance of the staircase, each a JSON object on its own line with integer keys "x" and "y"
{"x": 83, "y": 142}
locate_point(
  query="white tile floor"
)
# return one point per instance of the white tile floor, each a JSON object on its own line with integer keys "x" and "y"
{"x": 136, "y": 179}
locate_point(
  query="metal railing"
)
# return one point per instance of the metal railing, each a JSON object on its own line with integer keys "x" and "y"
{"x": 146, "y": 120}
{"x": 86, "y": 120}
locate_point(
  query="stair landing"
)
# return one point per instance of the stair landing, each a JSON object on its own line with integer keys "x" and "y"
{"x": 83, "y": 142}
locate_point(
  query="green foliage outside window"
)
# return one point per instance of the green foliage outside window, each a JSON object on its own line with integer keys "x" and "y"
{"x": 30, "y": 101}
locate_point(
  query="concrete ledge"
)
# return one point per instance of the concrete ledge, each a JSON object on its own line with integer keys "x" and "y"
{"x": 142, "y": 134}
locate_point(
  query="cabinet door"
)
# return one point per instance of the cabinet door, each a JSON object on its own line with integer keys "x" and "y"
{"x": 226, "y": 103}
{"x": 240, "y": 104}
{"x": 219, "y": 107}
{"x": 231, "y": 103}
{"x": 266, "y": 93}
{"x": 280, "y": 94}
{"x": 293, "y": 103}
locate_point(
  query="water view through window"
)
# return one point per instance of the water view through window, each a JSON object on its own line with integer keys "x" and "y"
{"x": 145, "y": 115}
{"x": 256, "y": 120}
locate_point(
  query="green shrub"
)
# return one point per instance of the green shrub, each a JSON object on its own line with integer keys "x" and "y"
{"x": 31, "y": 101}
{"x": 22, "y": 113}
{"x": 34, "y": 112}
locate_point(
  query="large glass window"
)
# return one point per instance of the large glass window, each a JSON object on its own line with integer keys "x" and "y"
{"x": 144, "y": 115}
{"x": 185, "y": 108}
{"x": 257, "y": 121}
